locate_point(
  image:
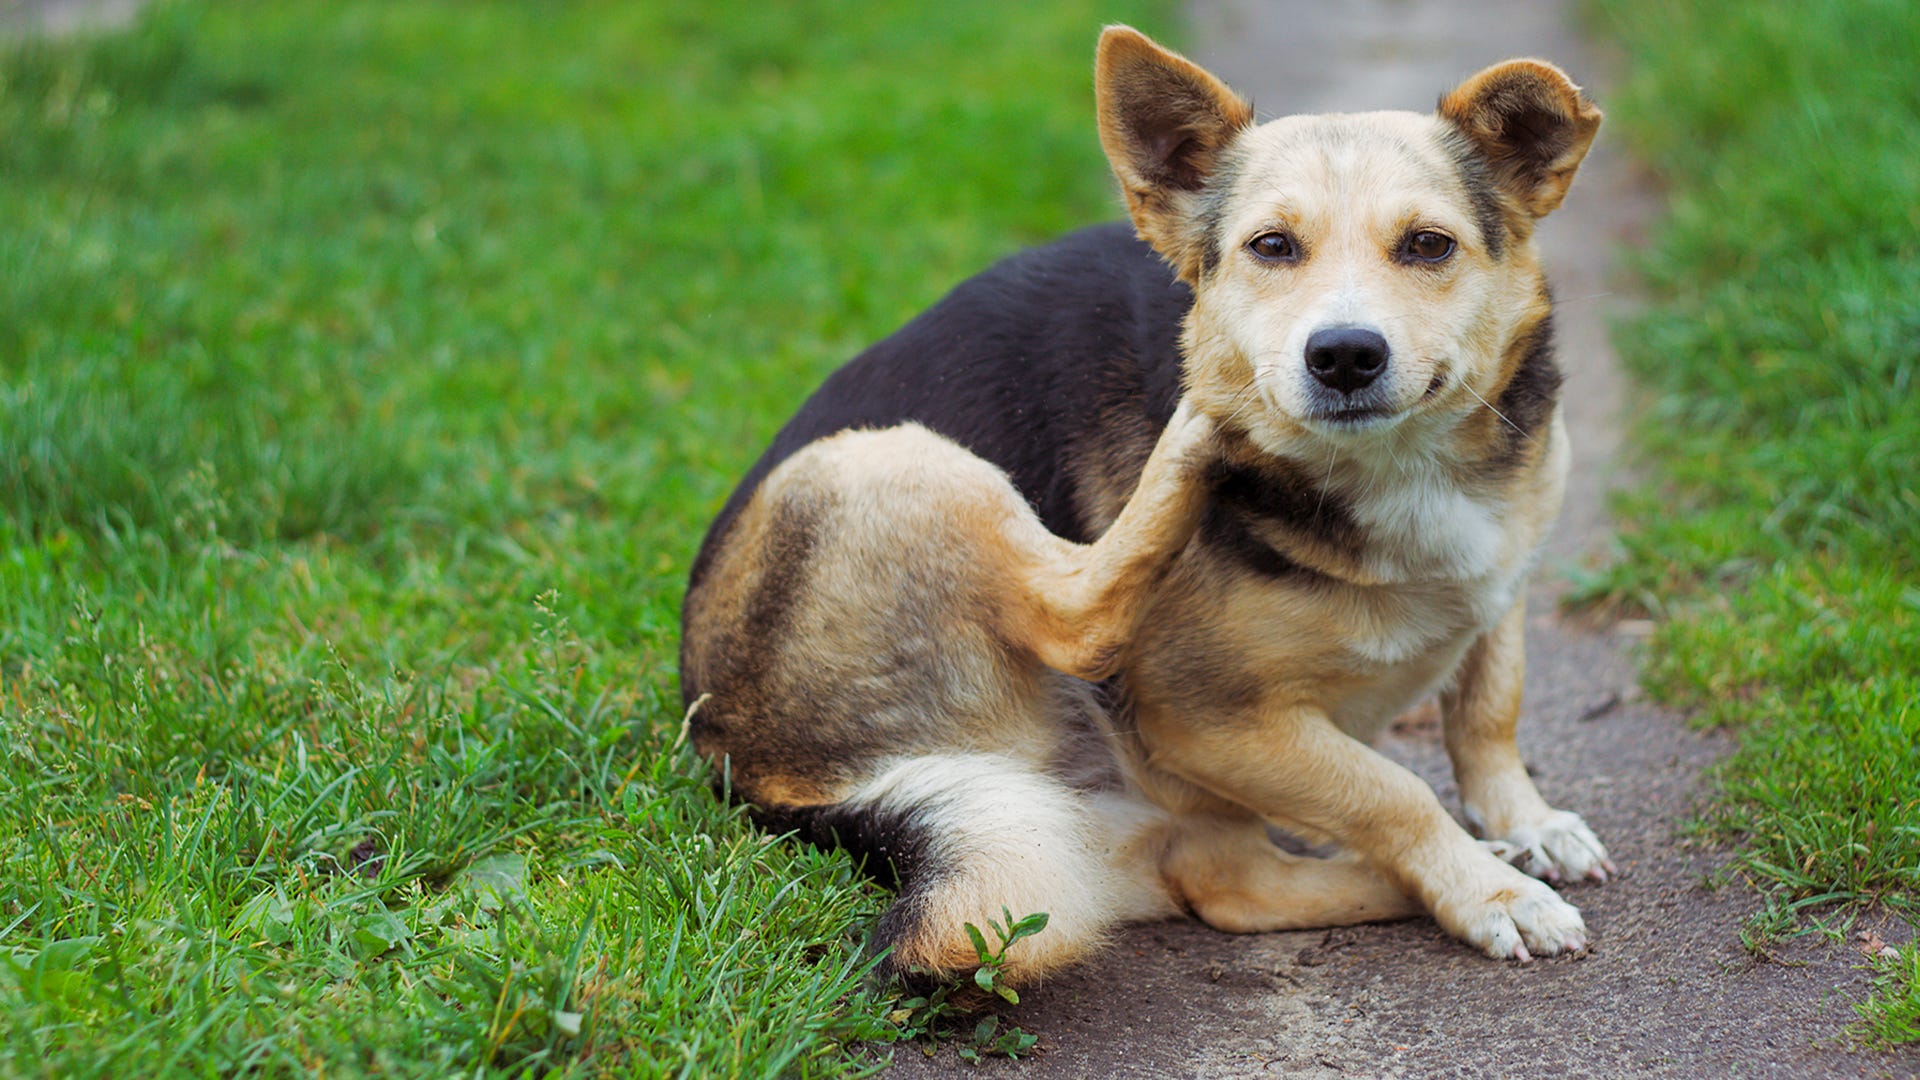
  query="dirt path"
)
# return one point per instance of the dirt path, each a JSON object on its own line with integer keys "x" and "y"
{"x": 1668, "y": 990}
{"x": 57, "y": 17}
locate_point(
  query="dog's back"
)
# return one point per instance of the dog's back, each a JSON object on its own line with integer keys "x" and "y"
{"x": 1054, "y": 358}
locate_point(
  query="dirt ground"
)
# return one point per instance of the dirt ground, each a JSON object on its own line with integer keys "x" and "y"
{"x": 1668, "y": 990}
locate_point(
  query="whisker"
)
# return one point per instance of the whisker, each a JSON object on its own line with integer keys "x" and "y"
{"x": 1497, "y": 412}
{"x": 1582, "y": 298}
{"x": 1325, "y": 483}
{"x": 1252, "y": 398}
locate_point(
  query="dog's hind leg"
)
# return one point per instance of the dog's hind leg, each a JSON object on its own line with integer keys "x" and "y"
{"x": 1295, "y": 764}
{"x": 972, "y": 837}
{"x": 871, "y": 646}
{"x": 1077, "y": 605}
{"x": 1233, "y": 877}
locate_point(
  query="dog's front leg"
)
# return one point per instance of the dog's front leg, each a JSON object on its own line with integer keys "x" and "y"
{"x": 1082, "y": 601}
{"x": 1501, "y": 803}
{"x": 1295, "y": 765}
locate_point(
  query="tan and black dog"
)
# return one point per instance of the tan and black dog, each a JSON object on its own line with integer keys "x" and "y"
{"x": 1055, "y": 599}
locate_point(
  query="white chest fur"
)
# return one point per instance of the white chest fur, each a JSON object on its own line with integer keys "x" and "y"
{"x": 1422, "y": 526}
{"x": 1449, "y": 563}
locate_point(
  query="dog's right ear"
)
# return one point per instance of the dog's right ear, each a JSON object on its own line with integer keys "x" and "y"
{"x": 1531, "y": 123}
{"x": 1163, "y": 121}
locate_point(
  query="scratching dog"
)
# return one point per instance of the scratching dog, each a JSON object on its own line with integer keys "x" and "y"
{"x": 1056, "y": 599}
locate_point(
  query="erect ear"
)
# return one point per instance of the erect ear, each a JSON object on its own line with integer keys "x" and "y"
{"x": 1163, "y": 121}
{"x": 1531, "y": 123}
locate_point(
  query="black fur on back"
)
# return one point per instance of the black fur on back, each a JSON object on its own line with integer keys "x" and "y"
{"x": 1019, "y": 365}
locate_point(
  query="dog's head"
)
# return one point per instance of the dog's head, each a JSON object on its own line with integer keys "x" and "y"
{"x": 1351, "y": 273}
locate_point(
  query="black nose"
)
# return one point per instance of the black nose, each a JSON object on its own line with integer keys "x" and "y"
{"x": 1346, "y": 358}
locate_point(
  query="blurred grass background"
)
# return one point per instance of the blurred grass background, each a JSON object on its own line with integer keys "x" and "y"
{"x": 368, "y": 373}
{"x": 1778, "y": 537}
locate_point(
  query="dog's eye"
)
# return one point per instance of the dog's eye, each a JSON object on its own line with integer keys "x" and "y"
{"x": 1273, "y": 247}
{"x": 1427, "y": 246}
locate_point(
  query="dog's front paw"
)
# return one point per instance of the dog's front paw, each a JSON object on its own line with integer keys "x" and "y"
{"x": 1517, "y": 919}
{"x": 1558, "y": 847}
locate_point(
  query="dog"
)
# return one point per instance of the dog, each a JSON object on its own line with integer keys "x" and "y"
{"x": 1061, "y": 596}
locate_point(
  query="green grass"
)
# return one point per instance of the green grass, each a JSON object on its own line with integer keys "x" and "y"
{"x": 1779, "y": 534}
{"x": 368, "y": 373}
{"x": 1891, "y": 1014}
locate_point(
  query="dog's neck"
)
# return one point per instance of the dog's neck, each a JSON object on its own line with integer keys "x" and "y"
{"x": 1392, "y": 510}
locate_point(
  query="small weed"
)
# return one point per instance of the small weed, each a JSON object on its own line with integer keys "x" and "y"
{"x": 1891, "y": 1014}
{"x": 944, "y": 1013}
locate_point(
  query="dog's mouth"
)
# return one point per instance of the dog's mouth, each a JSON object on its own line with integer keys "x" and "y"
{"x": 1348, "y": 416}
{"x": 1354, "y": 418}
{"x": 1362, "y": 415}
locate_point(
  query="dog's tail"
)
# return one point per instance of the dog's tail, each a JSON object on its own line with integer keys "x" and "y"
{"x": 969, "y": 837}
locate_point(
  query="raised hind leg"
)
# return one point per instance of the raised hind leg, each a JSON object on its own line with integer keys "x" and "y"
{"x": 869, "y": 648}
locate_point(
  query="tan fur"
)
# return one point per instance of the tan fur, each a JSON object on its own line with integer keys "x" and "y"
{"x": 1227, "y": 871}
{"x": 1082, "y": 601}
{"x": 936, "y": 616}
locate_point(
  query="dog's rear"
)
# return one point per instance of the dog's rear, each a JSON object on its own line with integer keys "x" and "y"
{"x": 848, "y": 656}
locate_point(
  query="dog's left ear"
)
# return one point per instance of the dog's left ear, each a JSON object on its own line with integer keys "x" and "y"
{"x": 1163, "y": 121}
{"x": 1531, "y": 123}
